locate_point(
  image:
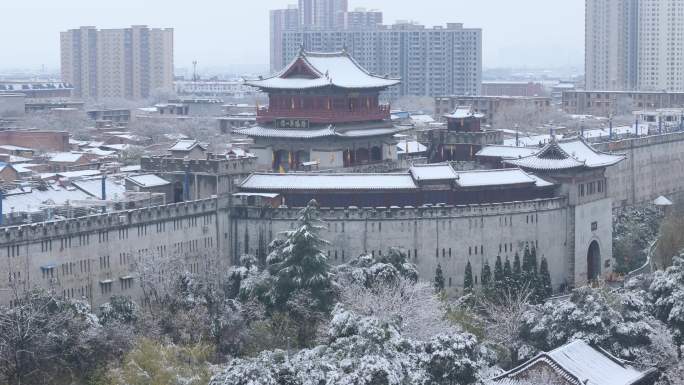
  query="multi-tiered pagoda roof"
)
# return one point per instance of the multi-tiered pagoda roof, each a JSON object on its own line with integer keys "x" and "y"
{"x": 317, "y": 69}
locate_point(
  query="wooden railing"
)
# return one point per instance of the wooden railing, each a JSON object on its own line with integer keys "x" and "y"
{"x": 268, "y": 114}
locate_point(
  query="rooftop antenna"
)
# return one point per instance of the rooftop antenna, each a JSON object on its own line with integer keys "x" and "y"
{"x": 194, "y": 70}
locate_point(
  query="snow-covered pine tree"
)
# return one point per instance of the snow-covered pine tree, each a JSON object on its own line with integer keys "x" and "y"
{"x": 468, "y": 278}
{"x": 533, "y": 260}
{"x": 498, "y": 273}
{"x": 300, "y": 264}
{"x": 508, "y": 274}
{"x": 517, "y": 271}
{"x": 486, "y": 277}
{"x": 439, "y": 279}
{"x": 544, "y": 288}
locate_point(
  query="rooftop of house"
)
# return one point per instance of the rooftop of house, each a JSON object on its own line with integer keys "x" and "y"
{"x": 578, "y": 363}
{"x": 438, "y": 172}
{"x": 566, "y": 154}
{"x": 147, "y": 180}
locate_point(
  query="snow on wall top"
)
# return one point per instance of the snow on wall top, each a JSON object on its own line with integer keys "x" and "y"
{"x": 438, "y": 171}
{"x": 507, "y": 152}
{"x": 493, "y": 177}
{"x": 335, "y": 68}
{"x": 328, "y": 182}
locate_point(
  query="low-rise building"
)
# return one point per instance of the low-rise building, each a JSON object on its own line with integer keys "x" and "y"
{"x": 512, "y": 88}
{"x": 606, "y": 103}
{"x": 490, "y": 106}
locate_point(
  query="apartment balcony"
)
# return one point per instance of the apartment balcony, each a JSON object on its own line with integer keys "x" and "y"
{"x": 315, "y": 116}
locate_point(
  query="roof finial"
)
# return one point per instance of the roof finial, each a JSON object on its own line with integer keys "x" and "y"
{"x": 344, "y": 48}
{"x": 301, "y": 49}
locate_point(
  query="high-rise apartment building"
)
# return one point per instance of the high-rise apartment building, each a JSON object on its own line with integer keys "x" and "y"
{"x": 117, "y": 63}
{"x": 430, "y": 61}
{"x": 634, "y": 45}
{"x": 321, "y": 13}
{"x": 611, "y": 44}
{"x": 360, "y": 18}
{"x": 661, "y": 43}
{"x": 281, "y": 20}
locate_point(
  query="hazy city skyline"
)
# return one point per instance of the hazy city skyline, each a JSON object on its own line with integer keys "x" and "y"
{"x": 524, "y": 33}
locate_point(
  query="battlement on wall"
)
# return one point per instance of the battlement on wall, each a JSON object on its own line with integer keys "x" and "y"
{"x": 106, "y": 221}
{"x": 643, "y": 141}
{"x": 407, "y": 212}
{"x": 211, "y": 166}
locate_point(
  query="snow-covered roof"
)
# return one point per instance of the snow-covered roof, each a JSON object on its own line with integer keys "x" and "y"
{"x": 147, "y": 180}
{"x": 579, "y": 364}
{"x": 18, "y": 159}
{"x": 99, "y": 152}
{"x": 265, "y": 132}
{"x": 528, "y": 140}
{"x": 566, "y": 154}
{"x": 133, "y": 168}
{"x": 33, "y": 200}
{"x": 317, "y": 69}
{"x": 186, "y": 145}
{"x": 117, "y": 147}
{"x": 462, "y": 112}
{"x": 436, "y": 171}
{"x": 10, "y": 147}
{"x": 662, "y": 201}
{"x": 498, "y": 177}
{"x": 78, "y": 173}
{"x": 410, "y": 147}
{"x": 422, "y": 118}
{"x": 507, "y": 152}
{"x": 340, "y": 181}
{"x": 93, "y": 187}
{"x": 65, "y": 157}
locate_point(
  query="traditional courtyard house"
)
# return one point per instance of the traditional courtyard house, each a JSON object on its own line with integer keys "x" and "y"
{"x": 324, "y": 109}
{"x": 575, "y": 363}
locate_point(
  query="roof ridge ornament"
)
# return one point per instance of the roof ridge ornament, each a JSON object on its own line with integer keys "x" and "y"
{"x": 301, "y": 50}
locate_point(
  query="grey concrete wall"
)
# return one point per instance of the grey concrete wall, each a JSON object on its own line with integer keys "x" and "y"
{"x": 74, "y": 256}
{"x": 654, "y": 166}
{"x": 450, "y": 236}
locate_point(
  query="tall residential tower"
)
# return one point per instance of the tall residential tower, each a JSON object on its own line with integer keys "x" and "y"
{"x": 117, "y": 63}
{"x": 611, "y": 44}
{"x": 634, "y": 45}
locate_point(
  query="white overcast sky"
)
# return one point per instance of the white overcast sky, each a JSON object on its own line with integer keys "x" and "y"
{"x": 228, "y": 33}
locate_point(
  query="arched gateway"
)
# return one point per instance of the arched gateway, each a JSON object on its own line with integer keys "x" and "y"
{"x": 593, "y": 261}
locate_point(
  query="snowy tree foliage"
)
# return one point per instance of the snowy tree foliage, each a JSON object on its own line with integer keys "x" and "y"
{"x": 299, "y": 263}
{"x": 614, "y": 321}
{"x": 667, "y": 291}
{"x": 362, "y": 350}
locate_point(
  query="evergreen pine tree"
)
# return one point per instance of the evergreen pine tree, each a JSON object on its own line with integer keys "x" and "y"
{"x": 299, "y": 263}
{"x": 544, "y": 281}
{"x": 508, "y": 275}
{"x": 486, "y": 277}
{"x": 468, "y": 278}
{"x": 439, "y": 279}
{"x": 517, "y": 271}
{"x": 527, "y": 262}
{"x": 533, "y": 260}
{"x": 498, "y": 271}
